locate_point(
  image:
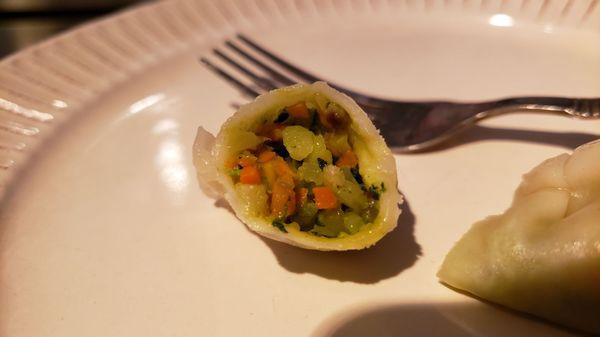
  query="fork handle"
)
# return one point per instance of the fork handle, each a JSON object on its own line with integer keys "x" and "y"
{"x": 576, "y": 107}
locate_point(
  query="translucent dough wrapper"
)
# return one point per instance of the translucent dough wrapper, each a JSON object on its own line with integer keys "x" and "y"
{"x": 542, "y": 256}
{"x": 377, "y": 164}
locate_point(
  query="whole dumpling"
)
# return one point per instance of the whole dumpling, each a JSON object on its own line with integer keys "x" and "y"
{"x": 542, "y": 256}
{"x": 303, "y": 165}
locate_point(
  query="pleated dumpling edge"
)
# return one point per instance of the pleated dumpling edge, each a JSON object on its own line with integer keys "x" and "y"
{"x": 542, "y": 256}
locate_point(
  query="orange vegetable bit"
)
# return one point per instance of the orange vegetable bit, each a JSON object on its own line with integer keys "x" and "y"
{"x": 298, "y": 110}
{"x": 302, "y": 195}
{"x": 247, "y": 161}
{"x": 348, "y": 159}
{"x": 266, "y": 156}
{"x": 250, "y": 175}
{"x": 324, "y": 198}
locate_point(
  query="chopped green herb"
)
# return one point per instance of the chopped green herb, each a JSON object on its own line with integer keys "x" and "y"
{"x": 279, "y": 225}
{"x": 357, "y": 176}
{"x": 376, "y": 191}
{"x": 283, "y": 116}
{"x": 235, "y": 172}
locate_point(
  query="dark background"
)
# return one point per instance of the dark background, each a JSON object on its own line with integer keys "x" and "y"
{"x": 25, "y": 22}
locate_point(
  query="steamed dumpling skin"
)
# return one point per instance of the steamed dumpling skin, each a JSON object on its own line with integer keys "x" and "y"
{"x": 377, "y": 164}
{"x": 542, "y": 256}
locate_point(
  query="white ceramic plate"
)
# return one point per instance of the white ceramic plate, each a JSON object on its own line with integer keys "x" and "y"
{"x": 105, "y": 233}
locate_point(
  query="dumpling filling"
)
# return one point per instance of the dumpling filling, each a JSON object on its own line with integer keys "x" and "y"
{"x": 305, "y": 166}
{"x": 299, "y": 169}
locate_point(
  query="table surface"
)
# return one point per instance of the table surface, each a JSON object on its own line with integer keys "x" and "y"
{"x": 26, "y": 22}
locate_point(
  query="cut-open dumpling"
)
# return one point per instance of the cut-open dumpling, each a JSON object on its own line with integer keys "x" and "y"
{"x": 541, "y": 256}
{"x": 303, "y": 165}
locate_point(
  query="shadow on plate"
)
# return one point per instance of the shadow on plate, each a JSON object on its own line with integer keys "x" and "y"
{"x": 396, "y": 252}
{"x": 437, "y": 319}
{"x": 477, "y": 133}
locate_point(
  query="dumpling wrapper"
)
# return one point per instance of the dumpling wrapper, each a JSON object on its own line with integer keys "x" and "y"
{"x": 376, "y": 164}
{"x": 542, "y": 256}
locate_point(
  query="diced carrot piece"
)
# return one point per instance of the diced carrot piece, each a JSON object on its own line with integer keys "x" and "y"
{"x": 247, "y": 161}
{"x": 348, "y": 159}
{"x": 302, "y": 195}
{"x": 250, "y": 175}
{"x": 266, "y": 156}
{"x": 324, "y": 198}
{"x": 298, "y": 110}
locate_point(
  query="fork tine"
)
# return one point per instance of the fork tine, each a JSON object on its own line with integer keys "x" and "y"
{"x": 286, "y": 65}
{"x": 308, "y": 77}
{"x": 278, "y": 76}
{"x": 246, "y": 90}
{"x": 260, "y": 81}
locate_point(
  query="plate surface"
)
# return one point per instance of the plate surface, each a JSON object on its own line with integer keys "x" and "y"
{"x": 105, "y": 232}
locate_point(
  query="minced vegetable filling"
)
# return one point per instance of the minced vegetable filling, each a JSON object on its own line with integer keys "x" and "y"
{"x": 304, "y": 172}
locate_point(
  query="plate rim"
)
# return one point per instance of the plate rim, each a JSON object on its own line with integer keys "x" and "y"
{"x": 27, "y": 122}
{"x": 44, "y": 85}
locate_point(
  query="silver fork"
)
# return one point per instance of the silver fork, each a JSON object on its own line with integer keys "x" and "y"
{"x": 406, "y": 126}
